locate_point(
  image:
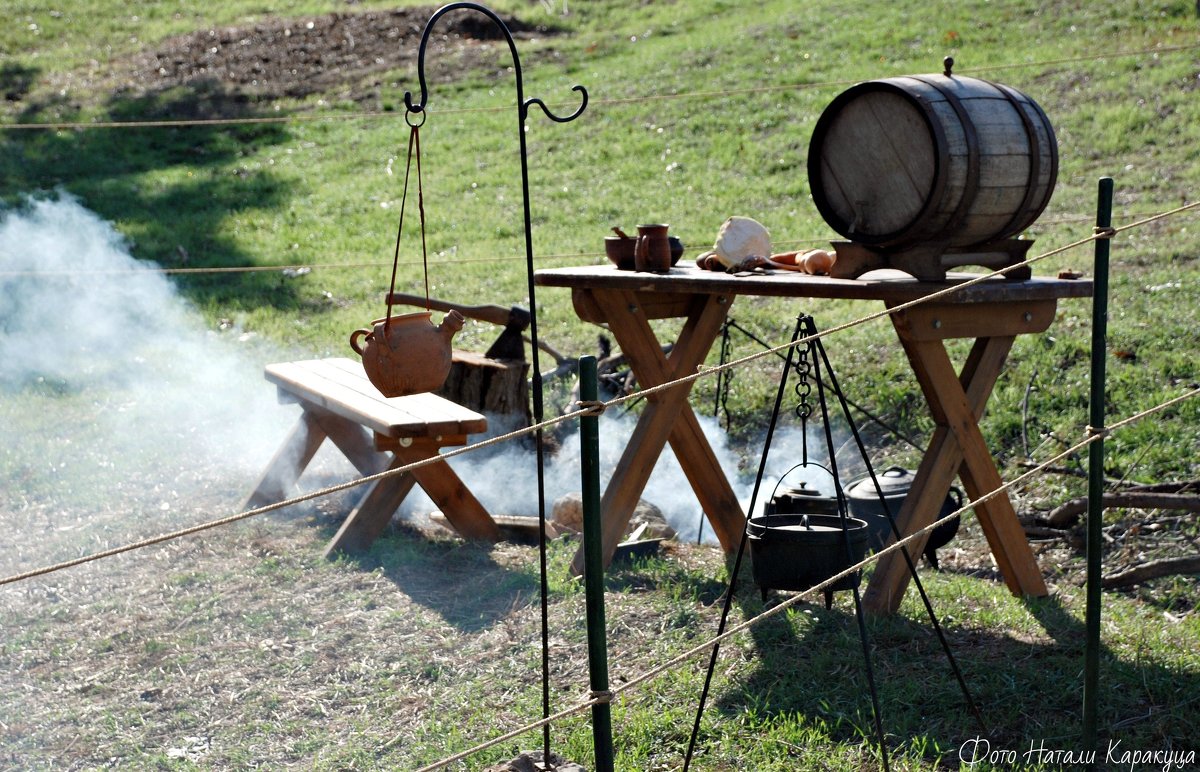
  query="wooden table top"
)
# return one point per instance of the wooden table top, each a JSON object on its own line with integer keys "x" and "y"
{"x": 885, "y": 285}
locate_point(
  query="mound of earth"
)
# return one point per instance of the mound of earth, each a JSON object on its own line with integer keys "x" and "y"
{"x": 296, "y": 57}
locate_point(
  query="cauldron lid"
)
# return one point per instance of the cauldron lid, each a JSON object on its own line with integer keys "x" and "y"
{"x": 805, "y": 490}
{"x": 893, "y": 481}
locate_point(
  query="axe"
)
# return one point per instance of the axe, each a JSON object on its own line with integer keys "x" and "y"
{"x": 510, "y": 344}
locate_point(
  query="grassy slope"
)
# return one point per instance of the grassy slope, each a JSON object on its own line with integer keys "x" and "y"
{"x": 314, "y": 192}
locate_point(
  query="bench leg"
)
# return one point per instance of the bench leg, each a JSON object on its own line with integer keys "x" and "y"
{"x": 367, "y": 520}
{"x": 353, "y": 440}
{"x": 288, "y": 463}
{"x": 383, "y": 498}
{"x": 459, "y": 505}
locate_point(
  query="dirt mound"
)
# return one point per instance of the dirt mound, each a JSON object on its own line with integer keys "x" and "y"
{"x": 296, "y": 57}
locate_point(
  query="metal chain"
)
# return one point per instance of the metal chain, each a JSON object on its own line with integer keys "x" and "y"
{"x": 803, "y": 388}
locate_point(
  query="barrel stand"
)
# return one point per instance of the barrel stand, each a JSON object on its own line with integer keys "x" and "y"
{"x": 932, "y": 262}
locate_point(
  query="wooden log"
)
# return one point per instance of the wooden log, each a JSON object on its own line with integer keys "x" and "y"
{"x": 1152, "y": 570}
{"x": 488, "y": 385}
{"x": 1065, "y": 515}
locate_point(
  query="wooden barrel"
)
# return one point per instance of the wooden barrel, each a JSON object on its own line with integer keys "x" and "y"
{"x": 931, "y": 160}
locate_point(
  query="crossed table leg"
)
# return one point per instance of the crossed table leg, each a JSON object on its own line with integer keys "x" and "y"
{"x": 667, "y": 417}
{"x": 956, "y": 402}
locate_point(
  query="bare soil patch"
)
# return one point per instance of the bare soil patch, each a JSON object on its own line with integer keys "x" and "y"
{"x": 343, "y": 54}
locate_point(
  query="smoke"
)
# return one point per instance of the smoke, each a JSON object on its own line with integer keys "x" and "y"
{"x": 122, "y": 415}
{"x": 503, "y": 481}
{"x": 119, "y": 410}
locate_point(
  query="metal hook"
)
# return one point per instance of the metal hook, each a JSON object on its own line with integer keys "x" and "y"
{"x": 418, "y": 107}
{"x": 557, "y": 119}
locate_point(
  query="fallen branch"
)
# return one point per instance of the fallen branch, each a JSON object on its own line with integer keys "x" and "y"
{"x": 1065, "y": 515}
{"x": 1152, "y": 570}
{"x": 1042, "y": 532}
{"x": 1187, "y": 486}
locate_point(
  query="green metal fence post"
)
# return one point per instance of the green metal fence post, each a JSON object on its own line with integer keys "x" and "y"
{"x": 1095, "y": 511}
{"x": 593, "y": 571}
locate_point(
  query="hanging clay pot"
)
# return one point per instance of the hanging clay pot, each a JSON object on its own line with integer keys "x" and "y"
{"x": 406, "y": 354}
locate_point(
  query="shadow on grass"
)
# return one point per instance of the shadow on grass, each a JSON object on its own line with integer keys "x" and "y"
{"x": 168, "y": 188}
{"x": 16, "y": 80}
{"x": 459, "y": 580}
{"x": 809, "y": 665}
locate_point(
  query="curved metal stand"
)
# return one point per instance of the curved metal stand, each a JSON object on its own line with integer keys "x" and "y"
{"x": 523, "y": 105}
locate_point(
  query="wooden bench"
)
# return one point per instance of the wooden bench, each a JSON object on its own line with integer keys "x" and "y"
{"x": 375, "y": 433}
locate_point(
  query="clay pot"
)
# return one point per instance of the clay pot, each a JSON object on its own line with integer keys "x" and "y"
{"x": 406, "y": 354}
{"x": 676, "y": 249}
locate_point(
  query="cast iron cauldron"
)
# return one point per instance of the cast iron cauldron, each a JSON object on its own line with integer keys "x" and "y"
{"x": 895, "y": 482}
{"x": 797, "y": 551}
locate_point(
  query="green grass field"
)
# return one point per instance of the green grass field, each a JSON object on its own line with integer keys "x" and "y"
{"x": 699, "y": 109}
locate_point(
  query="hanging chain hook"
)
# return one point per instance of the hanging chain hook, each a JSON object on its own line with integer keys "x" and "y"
{"x": 803, "y": 388}
{"x": 409, "y": 117}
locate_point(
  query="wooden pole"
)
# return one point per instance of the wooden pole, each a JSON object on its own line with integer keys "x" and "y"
{"x": 593, "y": 574}
{"x": 1095, "y": 513}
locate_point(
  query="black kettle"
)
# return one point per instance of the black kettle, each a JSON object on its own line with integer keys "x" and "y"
{"x": 895, "y": 483}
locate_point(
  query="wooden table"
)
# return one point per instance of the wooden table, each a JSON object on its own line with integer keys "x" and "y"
{"x": 993, "y": 313}
{"x": 375, "y": 433}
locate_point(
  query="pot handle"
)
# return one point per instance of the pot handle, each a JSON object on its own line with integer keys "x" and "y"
{"x": 783, "y": 476}
{"x": 354, "y": 336}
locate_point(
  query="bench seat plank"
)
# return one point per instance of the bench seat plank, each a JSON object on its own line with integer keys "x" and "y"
{"x": 341, "y": 387}
{"x": 338, "y": 401}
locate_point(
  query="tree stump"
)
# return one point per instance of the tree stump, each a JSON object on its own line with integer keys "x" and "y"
{"x": 494, "y": 386}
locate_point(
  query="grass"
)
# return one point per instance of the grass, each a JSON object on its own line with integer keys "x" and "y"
{"x": 699, "y": 110}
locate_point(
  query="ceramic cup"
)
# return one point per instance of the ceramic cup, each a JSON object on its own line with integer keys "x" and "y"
{"x": 653, "y": 251}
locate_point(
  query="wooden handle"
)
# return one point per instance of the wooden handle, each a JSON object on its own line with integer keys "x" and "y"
{"x": 494, "y": 314}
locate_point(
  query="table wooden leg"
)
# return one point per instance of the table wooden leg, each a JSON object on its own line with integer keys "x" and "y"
{"x": 667, "y": 417}
{"x": 957, "y": 402}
